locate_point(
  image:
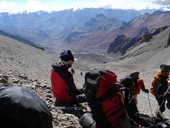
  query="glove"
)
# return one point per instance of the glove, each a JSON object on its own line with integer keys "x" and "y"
{"x": 72, "y": 71}
{"x": 81, "y": 98}
{"x": 146, "y": 91}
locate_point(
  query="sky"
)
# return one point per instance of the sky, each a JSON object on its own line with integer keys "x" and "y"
{"x": 17, "y": 6}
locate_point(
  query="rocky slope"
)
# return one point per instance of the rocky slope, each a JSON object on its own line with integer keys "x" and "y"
{"x": 30, "y": 67}
{"x": 155, "y": 50}
{"x": 43, "y": 90}
{"x": 17, "y": 57}
{"x": 122, "y": 44}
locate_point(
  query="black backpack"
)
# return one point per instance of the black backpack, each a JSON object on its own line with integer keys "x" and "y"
{"x": 22, "y": 108}
{"x": 126, "y": 82}
{"x": 98, "y": 82}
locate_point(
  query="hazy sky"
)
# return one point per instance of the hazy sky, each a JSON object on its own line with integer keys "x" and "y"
{"x": 14, "y": 6}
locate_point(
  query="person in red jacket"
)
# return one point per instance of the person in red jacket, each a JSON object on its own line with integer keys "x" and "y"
{"x": 63, "y": 86}
{"x": 138, "y": 85}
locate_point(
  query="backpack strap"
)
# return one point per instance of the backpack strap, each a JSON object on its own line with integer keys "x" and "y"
{"x": 123, "y": 104}
{"x": 109, "y": 93}
{"x": 125, "y": 120}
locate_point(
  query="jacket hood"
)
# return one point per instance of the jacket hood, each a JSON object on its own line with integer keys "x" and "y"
{"x": 58, "y": 67}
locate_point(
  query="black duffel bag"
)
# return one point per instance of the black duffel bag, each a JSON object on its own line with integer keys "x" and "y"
{"x": 22, "y": 108}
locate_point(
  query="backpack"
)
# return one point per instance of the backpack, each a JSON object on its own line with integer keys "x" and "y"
{"x": 162, "y": 73}
{"x": 154, "y": 83}
{"x": 106, "y": 101}
{"x": 22, "y": 108}
{"x": 98, "y": 82}
{"x": 127, "y": 82}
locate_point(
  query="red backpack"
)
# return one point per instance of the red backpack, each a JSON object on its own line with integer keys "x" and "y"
{"x": 98, "y": 82}
{"x": 101, "y": 86}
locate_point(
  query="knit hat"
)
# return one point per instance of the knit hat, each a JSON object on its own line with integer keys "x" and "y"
{"x": 164, "y": 67}
{"x": 66, "y": 55}
{"x": 134, "y": 75}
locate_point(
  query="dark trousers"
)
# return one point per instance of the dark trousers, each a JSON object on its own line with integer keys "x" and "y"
{"x": 70, "y": 108}
{"x": 161, "y": 103}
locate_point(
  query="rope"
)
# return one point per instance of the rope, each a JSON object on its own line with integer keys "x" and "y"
{"x": 150, "y": 104}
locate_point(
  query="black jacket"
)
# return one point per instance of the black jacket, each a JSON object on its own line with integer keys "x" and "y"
{"x": 134, "y": 115}
{"x": 161, "y": 88}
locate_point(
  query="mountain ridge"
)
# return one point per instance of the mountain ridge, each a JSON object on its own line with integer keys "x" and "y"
{"x": 95, "y": 34}
{"x": 45, "y": 28}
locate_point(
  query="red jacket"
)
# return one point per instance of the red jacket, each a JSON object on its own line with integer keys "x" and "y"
{"x": 60, "y": 88}
{"x": 139, "y": 85}
{"x": 63, "y": 86}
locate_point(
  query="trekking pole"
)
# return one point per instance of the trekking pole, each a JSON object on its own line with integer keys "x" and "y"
{"x": 149, "y": 104}
{"x": 158, "y": 109}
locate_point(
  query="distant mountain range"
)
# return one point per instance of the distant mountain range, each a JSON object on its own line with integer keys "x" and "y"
{"x": 87, "y": 30}
{"x": 104, "y": 39}
{"x": 50, "y": 29}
